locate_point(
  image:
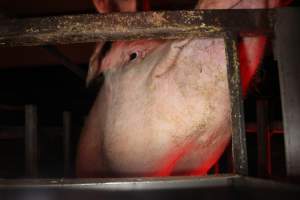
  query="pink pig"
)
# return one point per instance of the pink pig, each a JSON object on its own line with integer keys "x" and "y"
{"x": 164, "y": 108}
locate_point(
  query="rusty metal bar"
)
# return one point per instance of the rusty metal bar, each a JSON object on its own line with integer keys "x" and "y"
{"x": 67, "y": 126}
{"x": 239, "y": 146}
{"x": 125, "y": 26}
{"x": 31, "y": 150}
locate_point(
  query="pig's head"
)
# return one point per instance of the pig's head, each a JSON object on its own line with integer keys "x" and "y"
{"x": 112, "y": 55}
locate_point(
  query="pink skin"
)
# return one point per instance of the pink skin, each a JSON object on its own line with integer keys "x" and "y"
{"x": 165, "y": 111}
{"x": 123, "y": 50}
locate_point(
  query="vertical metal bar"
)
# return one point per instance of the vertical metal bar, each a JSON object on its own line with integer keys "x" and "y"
{"x": 269, "y": 152}
{"x": 67, "y": 126}
{"x": 263, "y": 130}
{"x": 239, "y": 146}
{"x": 288, "y": 56}
{"x": 31, "y": 150}
{"x": 229, "y": 159}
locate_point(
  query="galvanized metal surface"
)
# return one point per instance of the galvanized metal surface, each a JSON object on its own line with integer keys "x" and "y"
{"x": 222, "y": 187}
{"x": 287, "y": 50}
{"x": 120, "y": 184}
{"x": 239, "y": 148}
{"x": 124, "y": 26}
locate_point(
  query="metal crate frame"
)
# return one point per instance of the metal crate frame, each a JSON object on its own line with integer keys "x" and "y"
{"x": 228, "y": 24}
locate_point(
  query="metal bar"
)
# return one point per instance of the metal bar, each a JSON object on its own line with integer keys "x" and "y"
{"x": 204, "y": 188}
{"x": 121, "y": 184}
{"x": 263, "y": 130}
{"x": 269, "y": 152}
{"x": 275, "y": 128}
{"x": 239, "y": 146}
{"x": 66, "y": 61}
{"x": 229, "y": 162}
{"x": 12, "y": 108}
{"x": 67, "y": 125}
{"x": 18, "y": 132}
{"x": 31, "y": 150}
{"x": 287, "y": 52}
{"x": 125, "y": 26}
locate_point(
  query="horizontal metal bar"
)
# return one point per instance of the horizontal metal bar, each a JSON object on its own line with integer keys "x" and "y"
{"x": 276, "y": 127}
{"x": 127, "y": 26}
{"x": 211, "y": 187}
{"x": 170, "y": 188}
{"x": 121, "y": 183}
{"x": 11, "y": 108}
{"x": 18, "y": 132}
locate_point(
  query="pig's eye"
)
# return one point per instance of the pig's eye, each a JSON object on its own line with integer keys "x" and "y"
{"x": 133, "y": 56}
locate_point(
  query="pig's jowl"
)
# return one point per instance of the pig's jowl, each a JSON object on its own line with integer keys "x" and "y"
{"x": 164, "y": 107}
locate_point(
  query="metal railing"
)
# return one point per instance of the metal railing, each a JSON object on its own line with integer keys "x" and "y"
{"x": 228, "y": 24}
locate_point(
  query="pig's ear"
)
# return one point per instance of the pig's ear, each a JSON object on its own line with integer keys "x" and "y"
{"x": 102, "y": 6}
{"x": 94, "y": 65}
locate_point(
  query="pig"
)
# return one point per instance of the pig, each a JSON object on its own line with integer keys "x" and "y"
{"x": 164, "y": 107}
